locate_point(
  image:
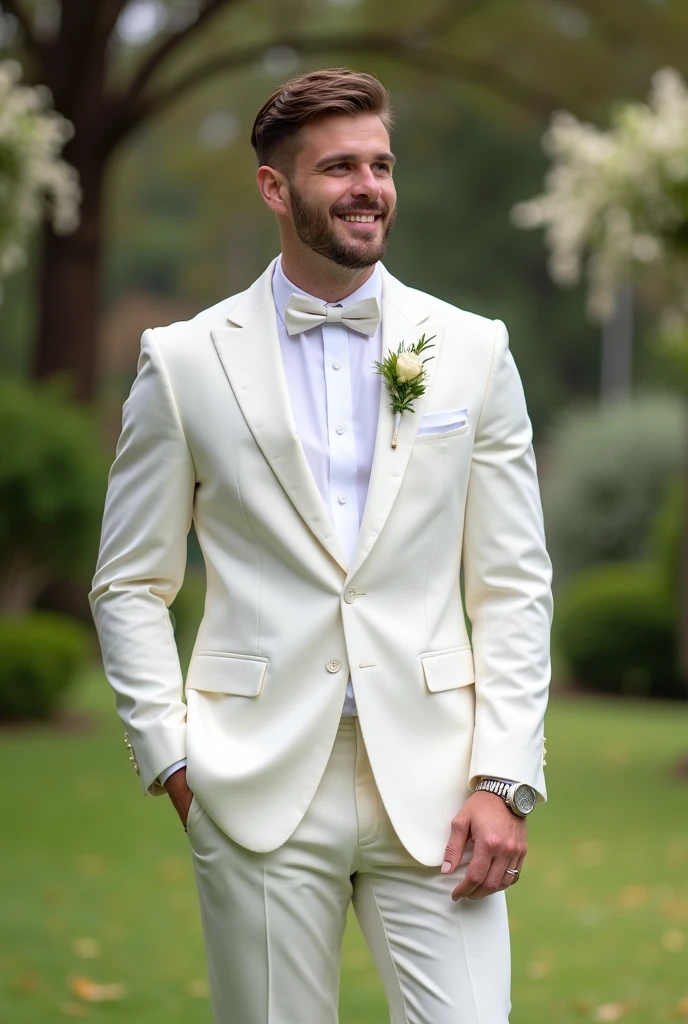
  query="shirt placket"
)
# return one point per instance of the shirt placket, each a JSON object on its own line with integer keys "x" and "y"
{"x": 342, "y": 442}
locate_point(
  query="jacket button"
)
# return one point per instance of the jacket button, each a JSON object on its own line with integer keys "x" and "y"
{"x": 333, "y": 665}
{"x": 350, "y": 595}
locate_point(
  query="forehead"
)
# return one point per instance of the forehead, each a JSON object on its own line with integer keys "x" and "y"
{"x": 363, "y": 134}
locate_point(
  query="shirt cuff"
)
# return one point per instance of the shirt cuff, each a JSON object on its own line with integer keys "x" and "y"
{"x": 164, "y": 776}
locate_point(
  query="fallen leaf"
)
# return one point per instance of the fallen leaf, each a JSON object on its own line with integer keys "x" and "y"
{"x": 610, "y": 1011}
{"x": 88, "y": 990}
{"x": 633, "y": 896}
{"x": 616, "y": 755}
{"x": 73, "y": 1010}
{"x": 673, "y": 940}
{"x": 591, "y": 853}
{"x": 28, "y": 981}
{"x": 199, "y": 988}
{"x": 92, "y": 864}
{"x": 682, "y": 1008}
{"x": 538, "y": 969}
{"x": 173, "y": 870}
{"x": 88, "y": 949}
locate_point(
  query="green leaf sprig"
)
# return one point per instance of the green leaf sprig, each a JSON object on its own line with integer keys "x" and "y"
{"x": 403, "y": 392}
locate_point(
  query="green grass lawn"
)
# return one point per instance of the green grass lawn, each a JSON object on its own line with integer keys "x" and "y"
{"x": 96, "y": 881}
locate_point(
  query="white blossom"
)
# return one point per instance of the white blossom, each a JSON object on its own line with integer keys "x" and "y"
{"x": 35, "y": 182}
{"x": 614, "y": 200}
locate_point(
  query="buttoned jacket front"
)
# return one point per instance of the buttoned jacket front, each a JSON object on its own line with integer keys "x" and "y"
{"x": 208, "y": 436}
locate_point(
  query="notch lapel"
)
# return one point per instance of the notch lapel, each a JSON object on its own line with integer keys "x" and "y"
{"x": 404, "y": 318}
{"x": 249, "y": 350}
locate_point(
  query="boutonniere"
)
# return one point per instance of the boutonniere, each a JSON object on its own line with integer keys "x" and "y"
{"x": 403, "y": 372}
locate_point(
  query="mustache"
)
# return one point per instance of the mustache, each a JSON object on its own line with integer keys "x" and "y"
{"x": 360, "y": 208}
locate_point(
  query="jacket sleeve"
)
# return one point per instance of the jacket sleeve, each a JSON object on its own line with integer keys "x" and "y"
{"x": 507, "y": 577}
{"x": 140, "y": 569}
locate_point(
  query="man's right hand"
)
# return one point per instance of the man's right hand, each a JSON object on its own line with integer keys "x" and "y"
{"x": 180, "y": 794}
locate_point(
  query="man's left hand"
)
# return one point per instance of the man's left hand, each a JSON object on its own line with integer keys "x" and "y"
{"x": 500, "y": 843}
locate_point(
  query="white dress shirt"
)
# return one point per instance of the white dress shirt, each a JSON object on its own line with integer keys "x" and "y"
{"x": 335, "y": 400}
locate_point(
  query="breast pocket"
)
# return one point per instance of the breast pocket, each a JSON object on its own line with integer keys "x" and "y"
{"x": 441, "y": 425}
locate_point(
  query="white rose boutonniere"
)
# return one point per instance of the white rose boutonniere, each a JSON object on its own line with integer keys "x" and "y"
{"x": 408, "y": 366}
{"x": 403, "y": 372}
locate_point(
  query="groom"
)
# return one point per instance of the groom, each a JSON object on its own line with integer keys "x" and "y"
{"x": 344, "y": 739}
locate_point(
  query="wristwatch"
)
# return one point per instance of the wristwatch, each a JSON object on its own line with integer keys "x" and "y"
{"x": 518, "y": 797}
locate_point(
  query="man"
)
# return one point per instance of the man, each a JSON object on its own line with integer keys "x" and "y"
{"x": 339, "y": 720}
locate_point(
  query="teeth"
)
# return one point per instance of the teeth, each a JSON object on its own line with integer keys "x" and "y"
{"x": 360, "y": 218}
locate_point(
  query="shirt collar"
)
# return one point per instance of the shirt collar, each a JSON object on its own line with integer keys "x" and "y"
{"x": 282, "y": 288}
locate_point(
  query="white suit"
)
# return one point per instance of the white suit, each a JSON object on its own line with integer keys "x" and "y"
{"x": 208, "y": 435}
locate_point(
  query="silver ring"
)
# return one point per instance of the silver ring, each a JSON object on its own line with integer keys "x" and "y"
{"x": 512, "y": 871}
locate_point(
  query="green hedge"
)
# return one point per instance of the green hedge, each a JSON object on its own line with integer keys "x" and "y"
{"x": 40, "y": 656}
{"x": 666, "y": 537}
{"x": 604, "y": 475}
{"x": 616, "y": 630}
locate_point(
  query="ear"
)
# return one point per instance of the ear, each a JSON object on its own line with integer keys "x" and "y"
{"x": 274, "y": 189}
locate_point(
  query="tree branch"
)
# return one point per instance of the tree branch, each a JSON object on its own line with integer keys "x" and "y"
{"x": 33, "y": 44}
{"x": 444, "y": 18}
{"x": 167, "y": 47}
{"x": 108, "y": 16}
{"x": 130, "y": 111}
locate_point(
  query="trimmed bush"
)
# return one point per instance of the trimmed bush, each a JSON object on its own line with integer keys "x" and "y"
{"x": 53, "y": 475}
{"x": 666, "y": 538}
{"x": 605, "y": 476}
{"x": 616, "y": 630}
{"x": 40, "y": 655}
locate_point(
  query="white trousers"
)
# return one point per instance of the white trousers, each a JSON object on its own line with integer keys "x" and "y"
{"x": 273, "y": 923}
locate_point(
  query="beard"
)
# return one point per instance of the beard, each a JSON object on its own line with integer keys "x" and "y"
{"x": 316, "y": 230}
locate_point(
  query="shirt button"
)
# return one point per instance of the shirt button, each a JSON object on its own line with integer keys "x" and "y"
{"x": 340, "y": 429}
{"x": 333, "y": 665}
{"x": 336, "y": 365}
{"x": 342, "y": 499}
{"x": 350, "y": 595}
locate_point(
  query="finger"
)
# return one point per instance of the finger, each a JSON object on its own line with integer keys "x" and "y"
{"x": 510, "y": 879}
{"x": 476, "y": 873}
{"x": 496, "y": 877}
{"x": 453, "y": 852}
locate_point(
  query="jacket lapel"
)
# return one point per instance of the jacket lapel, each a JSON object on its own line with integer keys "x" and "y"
{"x": 405, "y": 317}
{"x": 249, "y": 350}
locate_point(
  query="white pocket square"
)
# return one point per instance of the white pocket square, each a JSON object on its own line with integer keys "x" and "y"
{"x": 443, "y": 422}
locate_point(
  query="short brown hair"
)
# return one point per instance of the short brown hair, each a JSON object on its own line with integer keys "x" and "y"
{"x": 310, "y": 96}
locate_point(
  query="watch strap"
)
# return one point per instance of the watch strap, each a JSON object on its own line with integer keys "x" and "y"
{"x": 498, "y": 786}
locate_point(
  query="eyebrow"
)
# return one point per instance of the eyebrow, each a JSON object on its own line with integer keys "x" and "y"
{"x": 337, "y": 158}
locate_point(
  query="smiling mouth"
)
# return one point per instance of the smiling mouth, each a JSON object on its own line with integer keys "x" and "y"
{"x": 359, "y": 218}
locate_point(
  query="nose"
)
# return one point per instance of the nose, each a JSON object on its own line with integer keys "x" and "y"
{"x": 367, "y": 185}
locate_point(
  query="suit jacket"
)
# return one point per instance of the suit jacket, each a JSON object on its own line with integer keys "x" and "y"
{"x": 208, "y": 435}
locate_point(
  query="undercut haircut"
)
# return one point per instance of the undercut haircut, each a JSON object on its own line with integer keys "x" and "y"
{"x": 309, "y": 97}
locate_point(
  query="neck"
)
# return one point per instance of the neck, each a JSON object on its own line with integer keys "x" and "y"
{"x": 321, "y": 277}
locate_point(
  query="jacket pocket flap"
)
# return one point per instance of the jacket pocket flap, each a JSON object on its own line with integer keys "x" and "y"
{"x": 220, "y": 672}
{"x": 448, "y": 669}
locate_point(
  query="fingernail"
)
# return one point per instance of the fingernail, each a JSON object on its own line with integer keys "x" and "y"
{"x": 456, "y": 898}
{"x": 446, "y": 867}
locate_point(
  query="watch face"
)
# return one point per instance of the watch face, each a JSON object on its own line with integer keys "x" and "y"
{"x": 524, "y": 798}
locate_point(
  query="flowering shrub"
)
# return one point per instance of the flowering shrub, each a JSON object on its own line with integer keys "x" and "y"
{"x": 34, "y": 180}
{"x": 616, "y": 202}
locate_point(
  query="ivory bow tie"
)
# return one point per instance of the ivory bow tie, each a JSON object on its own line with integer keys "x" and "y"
{"x": 302, "y": 313}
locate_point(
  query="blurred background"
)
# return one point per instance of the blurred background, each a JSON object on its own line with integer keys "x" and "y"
{"x": 127, "y": 200}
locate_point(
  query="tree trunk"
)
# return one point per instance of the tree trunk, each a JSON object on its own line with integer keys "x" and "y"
{"x": 20, "y": 584}
{"x": 617, "y": 348}
{"x": 69, "y": 293}
{"x": 683, "y": 577}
